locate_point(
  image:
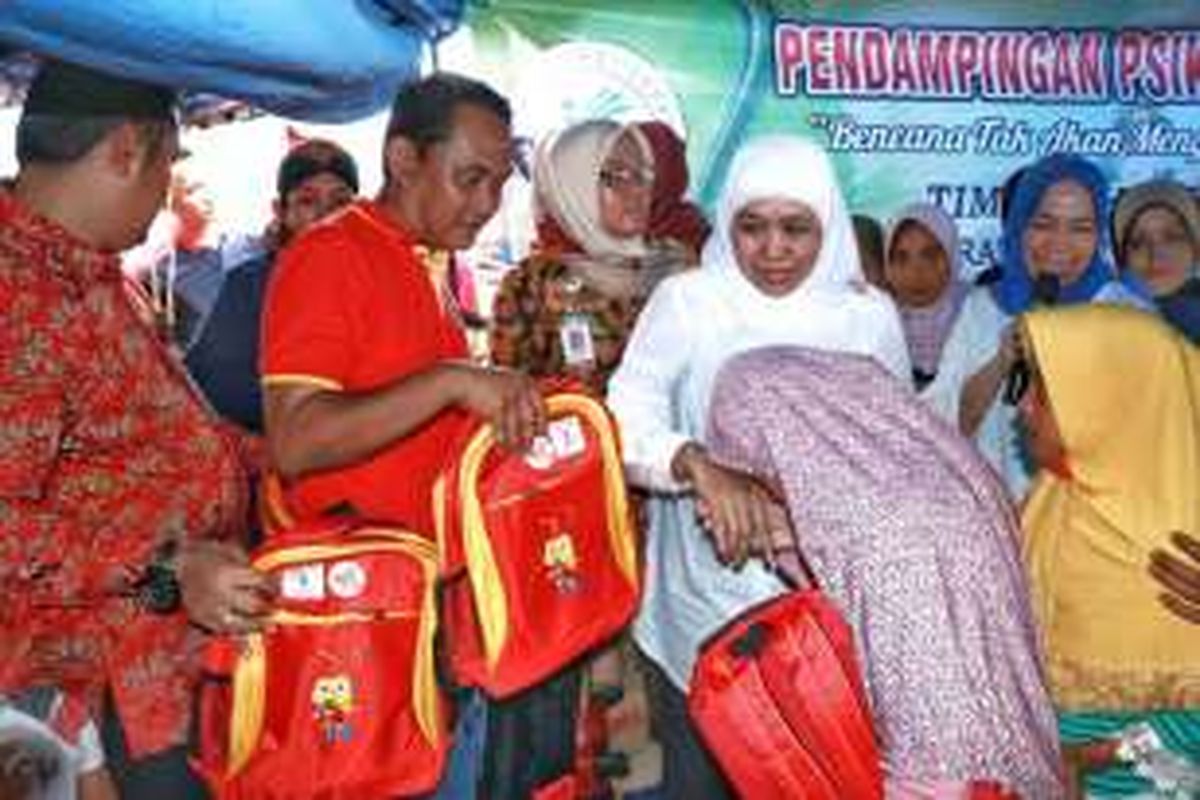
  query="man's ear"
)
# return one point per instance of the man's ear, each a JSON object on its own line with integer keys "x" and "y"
{"x": 124, "y": 149}
{"x": 401, "y": 159}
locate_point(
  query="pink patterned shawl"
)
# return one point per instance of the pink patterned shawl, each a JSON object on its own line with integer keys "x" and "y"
{"x": 910, "y": 532}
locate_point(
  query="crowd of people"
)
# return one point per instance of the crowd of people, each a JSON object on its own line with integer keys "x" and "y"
{"x": 996, "y": 478}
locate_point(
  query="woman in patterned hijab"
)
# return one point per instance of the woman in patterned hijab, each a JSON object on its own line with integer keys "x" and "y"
{"x": 912, "y": 536}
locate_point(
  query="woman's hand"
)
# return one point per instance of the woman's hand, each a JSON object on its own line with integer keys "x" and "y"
{"x": 220, "y": 590}
{"x": 782, "y": 537}
{"x": 737, "y": 509}
{"x": 1179, "y": 573}
{"x": 980, "y": 390}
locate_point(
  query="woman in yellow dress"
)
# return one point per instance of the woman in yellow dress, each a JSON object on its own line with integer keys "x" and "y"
{"x": 1111, "y": 410}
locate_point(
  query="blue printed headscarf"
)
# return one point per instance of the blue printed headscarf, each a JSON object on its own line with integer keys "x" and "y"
{"x": 1015, "y": 291}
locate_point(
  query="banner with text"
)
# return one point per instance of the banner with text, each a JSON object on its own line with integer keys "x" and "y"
{"x": 915, "y": 100}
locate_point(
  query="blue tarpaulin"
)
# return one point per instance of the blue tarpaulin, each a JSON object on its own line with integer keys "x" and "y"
{"x": 316, "y": 60}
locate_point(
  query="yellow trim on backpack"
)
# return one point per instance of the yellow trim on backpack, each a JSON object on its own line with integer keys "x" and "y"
{"x": 324, "y": 620}
{"x": 273, "y": 509}
{"x": 439, "y": 518}
{"x": 249, "y": 702}
{"x": 486, "y": 585}
{"x": 400, "y": 542}
{"x": 616, "y": 501}
{"x": 249, "y": 677}
{"x": 425, "y": 687}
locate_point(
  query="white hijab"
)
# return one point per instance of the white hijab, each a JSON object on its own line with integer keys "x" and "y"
{"x": 785, "y": 168}
{"x": 566, "y": 174}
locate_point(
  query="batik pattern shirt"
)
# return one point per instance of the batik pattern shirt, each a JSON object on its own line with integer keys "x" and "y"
{"x": 529, "y": 312}
{"x": 106, "y": 453}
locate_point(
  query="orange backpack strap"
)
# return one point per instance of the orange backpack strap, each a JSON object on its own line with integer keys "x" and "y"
{"x": 273, "y": 511}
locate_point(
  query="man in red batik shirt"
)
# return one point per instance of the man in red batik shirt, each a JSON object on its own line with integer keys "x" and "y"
{"x": 117, "y": 484}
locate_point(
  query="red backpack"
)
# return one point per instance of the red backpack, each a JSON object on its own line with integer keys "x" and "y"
{"x": 338, "y": 696}
{"x": 777, "y": 697}
{"x": 539, "y": 560}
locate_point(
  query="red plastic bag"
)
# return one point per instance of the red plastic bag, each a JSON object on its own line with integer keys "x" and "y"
{"x": 778, "y": 698}
{"x": 538, "y": 551}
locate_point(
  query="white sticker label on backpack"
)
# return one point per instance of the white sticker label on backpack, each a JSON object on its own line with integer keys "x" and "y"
{"x": 347, "y": 579}
{"x": 566, "y": 437}
{"x": 541, "y": 453}
{"x": 306, "y": 582}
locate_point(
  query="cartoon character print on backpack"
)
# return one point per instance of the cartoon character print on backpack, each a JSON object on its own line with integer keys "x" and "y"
{"x": 561, "y": 563}
{"x": 332, "y": 703}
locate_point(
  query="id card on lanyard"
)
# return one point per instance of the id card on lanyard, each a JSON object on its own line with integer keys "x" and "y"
{"x": 575, "y": 326}
{"x": 575, "y": 332}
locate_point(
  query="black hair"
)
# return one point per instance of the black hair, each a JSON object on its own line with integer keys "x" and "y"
{"x": 868, "y": 233}
{"x": 60, "y": 139}
{"x": 900, "y": 229}
{"x": 1008, "y": 190}
{"x": 314, "y": 157}
{"x": 423, "y": 111}
{"x": 69, "y": 109}
{"x": 56, "y": 139}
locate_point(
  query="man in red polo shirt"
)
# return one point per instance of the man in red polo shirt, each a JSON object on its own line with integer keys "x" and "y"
{"x": 365, "y": 366}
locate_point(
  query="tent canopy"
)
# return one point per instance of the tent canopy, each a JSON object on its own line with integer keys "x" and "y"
{"x": 315, "y": 60}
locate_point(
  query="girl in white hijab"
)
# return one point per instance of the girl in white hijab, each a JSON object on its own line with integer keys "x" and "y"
{"x": 781, "y": 267}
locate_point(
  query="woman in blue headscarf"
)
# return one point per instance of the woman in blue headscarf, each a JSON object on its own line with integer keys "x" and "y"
{"x": 1055, "y": 244}
{"x": 1054, "y": 250}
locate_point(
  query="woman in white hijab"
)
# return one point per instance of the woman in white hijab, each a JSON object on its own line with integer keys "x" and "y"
{"x": 781, "y": 267}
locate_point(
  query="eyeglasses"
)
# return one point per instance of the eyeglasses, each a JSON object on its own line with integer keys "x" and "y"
{"x": 625, "y": 177}
{"x": 1017, "y": 382}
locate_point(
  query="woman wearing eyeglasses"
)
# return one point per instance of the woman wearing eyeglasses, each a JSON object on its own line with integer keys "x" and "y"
{"x": 1054, "y": 250}
{"x": 1157, "y": 230}
{"x": 567, "y": 311}
{"x": 1111, "y": 412}
{"x": 569, "y": 307}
